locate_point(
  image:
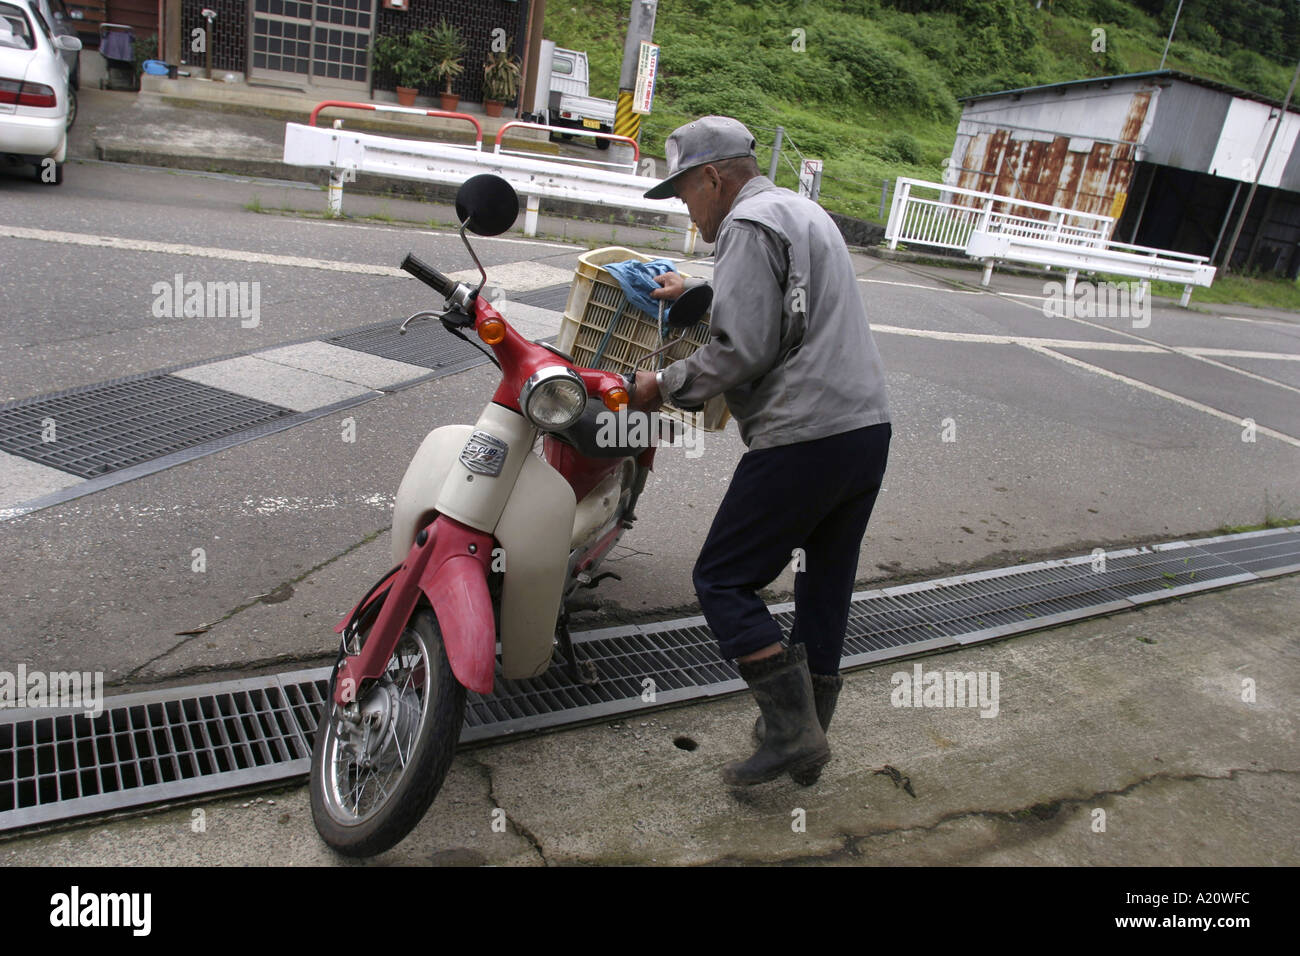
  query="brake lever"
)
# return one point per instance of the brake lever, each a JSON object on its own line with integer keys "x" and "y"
{"x": 422, "y": 314}
{"x": 432, "y": 314}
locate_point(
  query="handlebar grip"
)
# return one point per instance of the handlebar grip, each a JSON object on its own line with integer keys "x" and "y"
{"x": 430, "y": 276}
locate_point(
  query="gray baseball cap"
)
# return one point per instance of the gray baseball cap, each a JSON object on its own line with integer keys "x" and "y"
{"x": 709, "y": 139}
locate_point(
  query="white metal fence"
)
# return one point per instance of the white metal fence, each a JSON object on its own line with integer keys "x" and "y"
{"x": 947, "y": 215}
{"x": 994, "y": 228}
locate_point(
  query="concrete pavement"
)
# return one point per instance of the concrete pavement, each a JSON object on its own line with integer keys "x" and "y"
{"x": 1122, "y": 741}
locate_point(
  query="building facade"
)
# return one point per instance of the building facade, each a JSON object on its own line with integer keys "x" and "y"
{"x": 1171, "y": 155}
{"x": 326, "y": 45}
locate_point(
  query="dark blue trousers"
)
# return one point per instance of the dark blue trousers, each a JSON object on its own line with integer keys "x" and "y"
{"x": 815, "y": 496}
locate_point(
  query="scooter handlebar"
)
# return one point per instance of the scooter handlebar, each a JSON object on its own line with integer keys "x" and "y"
{"x": 430, "y": 276}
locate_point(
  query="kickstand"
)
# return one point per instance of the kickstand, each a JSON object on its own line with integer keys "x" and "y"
{"x": 579, "y": 673}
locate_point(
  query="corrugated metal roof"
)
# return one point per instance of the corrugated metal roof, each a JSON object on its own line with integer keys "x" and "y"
{"x": 1150, "y": 74}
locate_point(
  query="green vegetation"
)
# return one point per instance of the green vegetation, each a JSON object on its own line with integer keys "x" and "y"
{"x": 1268, "y": 292}
{"x": 1265, "y": 291}
{"x": 871, "y": 86}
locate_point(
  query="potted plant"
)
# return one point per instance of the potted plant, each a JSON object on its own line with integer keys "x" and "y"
{"x": 446, "y": 49}
{"x": 500, "y": 81}
{"x": 408, "y": 59}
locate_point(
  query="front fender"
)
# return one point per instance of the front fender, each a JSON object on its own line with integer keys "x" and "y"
{"x": 455, "y": 582}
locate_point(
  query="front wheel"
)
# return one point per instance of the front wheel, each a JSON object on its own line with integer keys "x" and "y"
{"x": 378, "y": 764}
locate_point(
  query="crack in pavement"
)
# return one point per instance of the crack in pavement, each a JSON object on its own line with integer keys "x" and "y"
{"x": 519, "y": 828}
{"x": 252, "y": 602}
{"x": 1035, "y": 813}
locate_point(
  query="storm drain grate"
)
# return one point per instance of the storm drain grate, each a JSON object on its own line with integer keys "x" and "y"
{"x": 429, "y": 345}
{"x": 426, "y": 344}
{"x": 105, "y": 428}
{"x": 553, "y": 297}
{"x": 160, "y": 745}
{"x": 183, "y": 742}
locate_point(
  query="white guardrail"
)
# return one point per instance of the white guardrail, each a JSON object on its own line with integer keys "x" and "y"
{"x": 983, "y": 226}
{"x": 346, "y": 153}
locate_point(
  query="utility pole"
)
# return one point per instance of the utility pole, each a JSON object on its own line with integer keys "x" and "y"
{"x": 1259, "y": 171}
{"x": 1171, "y": 34}
{"x": 640, "y": 27}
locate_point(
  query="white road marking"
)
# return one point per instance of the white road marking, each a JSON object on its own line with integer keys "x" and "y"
{"x": 522, "y": 276}
{"x": 1015, "y": 340}
{"x": 206, "y": 252}
{"x": 1154, "y": 390}
{"x": 927, "y": 288}
{"x": 1240, "y": 318}
{"x": 1201, "y": 357}
{"x": 344, "y": 364}
{"x": 272, "y": 382}
{"x": 1241, "y": 354}
{"x": 441, "y": 235}
{"x": 1171, "y": 349}
{"x": 22, "y": 480}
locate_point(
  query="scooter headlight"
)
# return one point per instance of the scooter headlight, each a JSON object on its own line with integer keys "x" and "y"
{"x": 554, "y": 398}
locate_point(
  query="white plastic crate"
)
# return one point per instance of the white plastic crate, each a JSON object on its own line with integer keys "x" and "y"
{"x": 596, "y": 301}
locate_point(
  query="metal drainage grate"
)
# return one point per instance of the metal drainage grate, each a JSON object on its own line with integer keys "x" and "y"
{"x": 154, "y": 746}
{"x": 105, "y": 428}
{"x": 187, "y": 741}
{"x": 553, "y": 297}
{"x": 426, "y": 344}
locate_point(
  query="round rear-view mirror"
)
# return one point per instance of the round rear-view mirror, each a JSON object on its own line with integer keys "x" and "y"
{"x": 690, "y": 307}
{"x": 487, "y": 205}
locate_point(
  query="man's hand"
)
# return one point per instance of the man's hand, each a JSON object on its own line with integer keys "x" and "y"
{"x": 672, "y": 285}
{"x": 646, "y": 396}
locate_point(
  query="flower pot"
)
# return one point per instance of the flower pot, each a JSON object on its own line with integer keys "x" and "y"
{"x": 492, "y": 107}
{"x": 406, "y": 95}
{"x": 450, "y": 101}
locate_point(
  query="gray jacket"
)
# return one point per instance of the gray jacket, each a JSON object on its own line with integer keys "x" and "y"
{"x": 791, "y": 347}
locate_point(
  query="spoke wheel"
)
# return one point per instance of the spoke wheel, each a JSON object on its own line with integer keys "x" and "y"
{"x": 377, "y": 767}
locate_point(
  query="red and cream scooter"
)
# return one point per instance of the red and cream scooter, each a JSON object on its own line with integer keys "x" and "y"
{"x": 490, "y": 540}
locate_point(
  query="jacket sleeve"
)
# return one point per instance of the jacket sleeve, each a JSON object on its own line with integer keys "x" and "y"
{"x": 748, "y": 301}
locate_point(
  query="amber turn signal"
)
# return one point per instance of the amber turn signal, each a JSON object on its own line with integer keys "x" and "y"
{"x": 615, "y": 398}
{"x": 492, "y": 331}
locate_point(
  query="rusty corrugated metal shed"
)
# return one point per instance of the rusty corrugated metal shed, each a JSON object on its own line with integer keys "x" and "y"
{"x": 1077, "y": 144}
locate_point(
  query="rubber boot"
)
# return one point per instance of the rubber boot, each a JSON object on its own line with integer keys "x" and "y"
{"x": 794, "y": 741}
{"x": 826, "y": 692}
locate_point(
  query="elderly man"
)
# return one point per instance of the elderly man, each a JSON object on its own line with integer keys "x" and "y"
{"x": 792, "y": 352}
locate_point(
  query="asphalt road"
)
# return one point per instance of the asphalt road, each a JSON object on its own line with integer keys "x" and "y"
{"x": 1017, "y": 436}
{"x": 1065, "y": 434}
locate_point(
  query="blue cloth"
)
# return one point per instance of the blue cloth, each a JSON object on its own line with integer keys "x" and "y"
{"x": 637, "y": 280}
{"x": 116, "y": 45}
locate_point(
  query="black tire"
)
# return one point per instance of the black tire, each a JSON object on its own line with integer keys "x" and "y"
{"x": 603, "y": 143}
{"x": 75, "y": 79}
{"x": 72, "y": 107}
{"x": 434, "y": 746}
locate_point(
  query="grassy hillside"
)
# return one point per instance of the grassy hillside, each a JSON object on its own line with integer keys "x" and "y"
{"x": 874, "y": 89}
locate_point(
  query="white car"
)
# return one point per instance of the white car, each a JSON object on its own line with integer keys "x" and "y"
{"x": 37, "y": 104}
